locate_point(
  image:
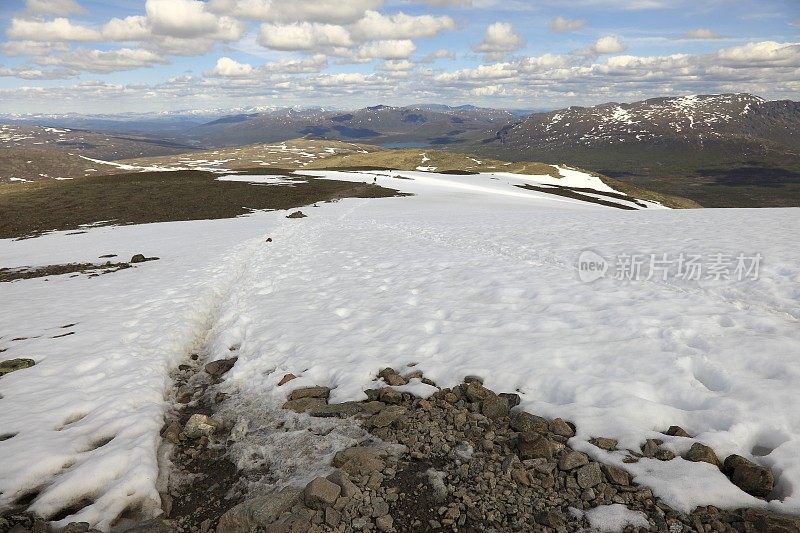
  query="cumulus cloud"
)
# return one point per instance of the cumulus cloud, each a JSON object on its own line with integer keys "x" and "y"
{"x": 762, "y": 54}
{"x": 701, "y": 33}
{"x": 58, "y": 29}
{"x": 375, "y": 26}
{"x": 190, "y": 19}
{"x": 390, "y": 49}
{"x": 229, "y": 68}
{"x": 104, "y": 61}
{"x": 609, "y": 44}
{"x": 561, "y": 24}
{"x": 322, "y": 11}
{"x": 303, "y": 36}
{"x": 499, "y": 39}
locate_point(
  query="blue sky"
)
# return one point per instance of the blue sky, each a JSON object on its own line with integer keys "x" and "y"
{"x": 157, "y": 55}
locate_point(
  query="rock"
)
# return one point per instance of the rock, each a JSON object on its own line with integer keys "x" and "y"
{"x": 155, "y": 525}
{"x": 304, "y": 404}
{"x": 526, "y": 422}
{"x": 258, "y": 512}
{"x": 473, "y": 379}
{"x": 750, "y": 477}
{"x": 664, "y": 455}
{"x": 200, "y": 426}
{"x": 494, "y": 407}
{"x": 337, "y": 410}
{"x": 512, "y": 398}
{"x": 770, "y": 522}
{"x": 286, "y": 379}
{"x": 172, "y": 433}
{"x": 310, "y": 392}
{"x": 138, "y": 258}
{"x": 650, "y": 447}
{"x": 321, "y": 493}
{"x": 12, "y": 365}
{"x": 389, "y": 395}
{"x": 677, "y": 431}
{"x": 617, "y": 475}
{"x": 476, "y": 392}
{"x": 332, "y": 516}
{"x": 571, "y": 460}
{"x": 390, "y": 376}
{"x": 562, "y": 428}
{"x": 220, "y": 367}
{"x": 700, "y": 452}
{"x": 589, "y": 476}
{"x": 385, "y": 523}
{"x": 297, "y": 214}
{"x": 387, "y": 416}
{"x": 340, "y": 477}
{"x": 531, "y": 445}
{"x": 359, "y": 459}
{"x": 605, "y": 443}
{"x": 183, "y": 394}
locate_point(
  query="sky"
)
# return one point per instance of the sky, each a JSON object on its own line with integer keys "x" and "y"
{"x": 92, "y": 56}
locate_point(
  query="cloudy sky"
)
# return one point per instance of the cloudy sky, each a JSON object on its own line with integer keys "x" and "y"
{"x": 153, "y": 55}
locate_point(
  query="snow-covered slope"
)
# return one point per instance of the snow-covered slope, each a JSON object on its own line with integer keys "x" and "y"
{"x": 472, "y": 275}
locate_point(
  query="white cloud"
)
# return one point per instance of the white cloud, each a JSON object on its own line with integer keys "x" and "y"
{"x": 609, "y": 44}
{"x": 229, "y": 68}
{"x": 190, "y": 19}
{"x": 761, "y": 54}
{"x": 104, "y": 61}
{"x": 402, "y": 65}
{"x": 390, "y": 49}
{"x": 499, "y": 39}
{"x": 561, "y": 24}
{"x": 303, "y": 36}
{"x": 128, "y": 29}
{"x": 58, "y": 29}
{"x": 701, "y": 33}
{"x": 52, "y": 7}
{"x": 375, "y": 26}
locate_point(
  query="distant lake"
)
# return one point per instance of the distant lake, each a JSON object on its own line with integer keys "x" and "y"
{"x": 411, "y": 144}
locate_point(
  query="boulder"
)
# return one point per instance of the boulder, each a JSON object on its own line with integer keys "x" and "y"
{"x": 286, "y": 379}
{"x": 310, "y": 392}
{"x": 677, "y": 431}
{"x": 390, "y": 376}
{"x": 562, "y": 428}
{"x": 321, "y": 493}
{"x": 525, "y": 422}
{"x": 605, "y": 443}
{"x": 12, "y": 365}
{"x": 200, "y": 426}
{"x": 359, "y": 459}
{"x": 220, "y": 367}
{"x": 138, "y": 258}
{"x": 512, "y": 398}
{"x": 387, "y": 416}
{"x": 258, "y": 512}
{"x": 750, "y": 477}
{"x": 495, "y": 407}
{"x": 702, "y": 453}
{"x": 589, "y": 476}
{"x": 571, "y": 460}
{"x": 532, "y": 445}
{"x": 297, "y": 214}
{"x": 617, "y": 475}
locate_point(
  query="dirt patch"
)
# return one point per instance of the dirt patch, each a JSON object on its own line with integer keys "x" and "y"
{"x": 91, "y": 269}
{"x": 31, "y": 209}
{"x": 575, "y": 195}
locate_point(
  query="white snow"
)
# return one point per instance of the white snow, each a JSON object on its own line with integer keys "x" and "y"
{"x": 614, "y": 518}
{"x": 471, "y": 275}
{"x": 263, "y": 179}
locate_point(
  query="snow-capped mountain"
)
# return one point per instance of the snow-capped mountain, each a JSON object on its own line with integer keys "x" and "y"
{"x": 691, "y": 120}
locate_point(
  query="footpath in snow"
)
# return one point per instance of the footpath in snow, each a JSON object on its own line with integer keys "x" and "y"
{"x": 470, "y": 276}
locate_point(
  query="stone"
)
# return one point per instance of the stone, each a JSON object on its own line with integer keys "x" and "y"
{"x": 650, "y": 447}
{"x": 258, "y": 512}
{"x": 183, "y": 394}
{"x": 571, "y": 460}
{"x": 349, "y": 489}
{"x": 220, "y": 367}
{"x": 321, "y": 493}
{"x": 533, "y": 446}
{"x": 562, "y": 428}
{"x": 512, "y": 398}
{"x": 664, "y": 455}
{"x": 172, "y": 433}
{"x": 700, "y": 452}
{"x": 750, "y": 477}
{"x": 200, "y": 426}
{"x": 304, "y": 404}
{"x": 473, "y": 379}
{"x": 286, "y": 379}
{"x": 310, "y": 392}
{"x": 476, "y": 392}
{"x": 155, "y": 525}
{"x": 390, "y": 376}
{"x": 332, "y": 516}
{"x": 359, "y": 459}
{"x": 677, "y": 431}
{"x": 337, "y": 410}
{"x": 589, "y": 476}
{"x": 617, "y": 475}
{"x": 297, "y": 214}
{"x": 605, "y": 443}
{"x": 138, "y": 258}
{"x": 526, "y": 422}
{"x": 390, "y": 396}
{"x": 495, "y": 407}
{"x": 385, "y": 523}
{"x": 387, "y": 416}
{"x": 13, "y": 365}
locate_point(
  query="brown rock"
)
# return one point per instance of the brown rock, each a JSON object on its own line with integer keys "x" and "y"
{"x": 562, "y": 428}
{"x": 589, "y": 476}
{"x": 310, "y": 392}
{"x": 605, "y": 443}
{"x": 359, "y": 459}
{"x": 494, "y": 407}
{"x": 286, "y": 379}
{"x": 220, "y": 367}
{"x": 571, "y": 460}
{"x": 526, "y": 422}
{"x": 617, "y": 475}
{"x": 390, "y": 376}
{"x": 677, "y": 431}
{"x": 750, "y": 477}
{"x": 700, "y": 452}
{"x": 532, "y": 445}
{"x": 297, "y": 214}
{"x": 387, "y": 416}
{"x": 302, "y": 405}
{"x": 321, "y": 493}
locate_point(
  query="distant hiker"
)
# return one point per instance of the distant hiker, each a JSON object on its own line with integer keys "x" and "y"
{"x": 375, "y": 180}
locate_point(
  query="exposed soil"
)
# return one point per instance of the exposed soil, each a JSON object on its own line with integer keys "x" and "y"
{"x": 91, "y": 269}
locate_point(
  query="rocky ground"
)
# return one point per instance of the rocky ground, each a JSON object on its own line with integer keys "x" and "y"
{"x": 461, "y": 460}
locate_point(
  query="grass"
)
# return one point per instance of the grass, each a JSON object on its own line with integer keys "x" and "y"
{"x": 30, "y": 209}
